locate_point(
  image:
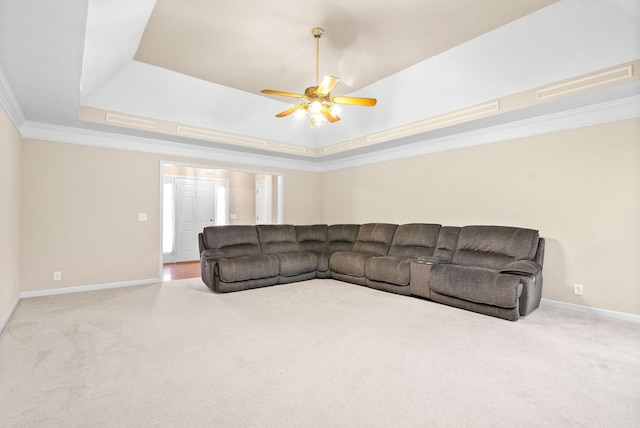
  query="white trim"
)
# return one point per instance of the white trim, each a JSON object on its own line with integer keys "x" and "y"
{"x": 590, "y": 310}
{"x": 161, "y": 220}
{"x": 622, "y": 109}
{"x": 7, "y": 317}
{"x": 82, "y": 288}
{"x": 112, "y": 140}
{"x": 280, "y": 199}
{"x": 10, "y": 102}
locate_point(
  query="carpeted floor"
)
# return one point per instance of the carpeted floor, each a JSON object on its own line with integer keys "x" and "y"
{"x": 313, "y": 354}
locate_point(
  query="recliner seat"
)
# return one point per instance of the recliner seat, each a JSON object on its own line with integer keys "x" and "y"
{"x": 374, "y": 239}
{"x": 392, "y": 272}
{"x": 483, "y": 275}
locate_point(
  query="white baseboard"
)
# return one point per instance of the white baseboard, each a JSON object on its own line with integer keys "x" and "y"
{"x": 77, "y": 289}
{"x": 5, "y": 320}
{"x": 589, "y": 310}
{"x": 82, "y": 288}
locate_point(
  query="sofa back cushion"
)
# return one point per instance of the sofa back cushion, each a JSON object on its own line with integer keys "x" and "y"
{"x": 494, "y": 247}
{"x": 232, "y": 241}
{"x": 277, "y": 238}
{"x": 414, "y": 240}
{"x": 375, "y": 238}
{"x": 342, "y": 237}
{"x": 312, "y": 238}
{"x": 447, "y": 243}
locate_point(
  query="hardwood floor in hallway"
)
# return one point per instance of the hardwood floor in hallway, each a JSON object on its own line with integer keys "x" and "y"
{"x": 182, "y": 270}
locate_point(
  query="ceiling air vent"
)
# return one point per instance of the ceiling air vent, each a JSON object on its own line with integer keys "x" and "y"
{"x": 130, "y": 121}
{"x": 222, "y": 137}
{"x": 588, "y": 82}
{"x": 434, "y": 122}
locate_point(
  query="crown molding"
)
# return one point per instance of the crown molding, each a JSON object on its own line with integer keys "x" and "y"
{"x": 611, "y": 111}
{"x": 86, "y": 137}
{"x": 10, "y": 102}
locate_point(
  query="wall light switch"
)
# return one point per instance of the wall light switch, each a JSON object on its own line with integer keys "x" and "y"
{"x": 142, "y": 216}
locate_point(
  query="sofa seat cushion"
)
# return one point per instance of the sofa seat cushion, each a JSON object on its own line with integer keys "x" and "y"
{"x": 393, "y": 270}
{"x": 477, "y": 285}
{"x": 297, "y": 263}
{"x": 248, "y": 267}
{"x": 348, "y": 263}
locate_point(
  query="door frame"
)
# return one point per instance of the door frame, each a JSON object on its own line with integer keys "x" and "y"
{"x": 163, "y": 162}
{"x": 266, "y": 210}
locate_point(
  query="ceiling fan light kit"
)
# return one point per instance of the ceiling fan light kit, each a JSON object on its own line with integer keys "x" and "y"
{"x": 318, "y": 103}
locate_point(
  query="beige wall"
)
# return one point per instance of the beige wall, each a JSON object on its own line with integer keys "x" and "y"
{"x": 580, "y": 188}
{"x": 9, "y": 214}
{"x": 80, "y": 208}
{"x": 242, "y": 202}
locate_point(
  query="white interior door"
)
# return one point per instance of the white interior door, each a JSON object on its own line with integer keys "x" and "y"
{"x": 195, "y": 204}
{"x": 261, "y": 202}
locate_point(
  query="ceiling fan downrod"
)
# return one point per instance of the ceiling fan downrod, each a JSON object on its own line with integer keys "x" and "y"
{"x": 317, "y": 33}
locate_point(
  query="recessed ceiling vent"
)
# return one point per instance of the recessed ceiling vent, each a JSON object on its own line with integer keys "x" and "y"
{"x": 130, "y": 121}
{"x": 222, "y": 137}
{"x": 435, "y": 122}
{"x": 588, "y": 82}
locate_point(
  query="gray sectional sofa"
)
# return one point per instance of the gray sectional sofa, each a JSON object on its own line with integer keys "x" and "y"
{"x": 492, "y": 270}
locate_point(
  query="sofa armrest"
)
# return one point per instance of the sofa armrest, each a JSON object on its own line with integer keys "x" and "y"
{"x": 201, "y": 242}
{"x": 522, "y": 267}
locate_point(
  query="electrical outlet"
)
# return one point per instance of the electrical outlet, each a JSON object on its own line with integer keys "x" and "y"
{"x": 578, "y": 289}
{"x": 57, "y": 276}
{"x": 142, "y": 216}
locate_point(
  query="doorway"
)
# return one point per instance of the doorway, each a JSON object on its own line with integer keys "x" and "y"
{"x": 198, "y": 204}
{"x": 195, "y": 196}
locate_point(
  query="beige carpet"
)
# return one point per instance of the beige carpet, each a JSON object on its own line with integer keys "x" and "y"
{"x": 312, "y": 354}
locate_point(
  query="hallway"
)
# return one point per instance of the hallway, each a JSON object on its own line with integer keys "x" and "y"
{"x": 183, "y": 270}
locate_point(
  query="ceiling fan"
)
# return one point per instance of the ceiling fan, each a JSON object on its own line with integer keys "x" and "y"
{"x": 318, "y": 101}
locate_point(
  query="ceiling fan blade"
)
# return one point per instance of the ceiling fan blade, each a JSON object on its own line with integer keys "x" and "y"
{"x": 288, "y": 111}
{"x": 328, "y": 83}
{"x": 327, "y": 113}
{"x": 354, "y": 100}
{"x": 283, "y": 94}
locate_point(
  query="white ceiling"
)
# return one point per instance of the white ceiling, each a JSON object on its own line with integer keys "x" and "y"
{"x": 202, "y": 63}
